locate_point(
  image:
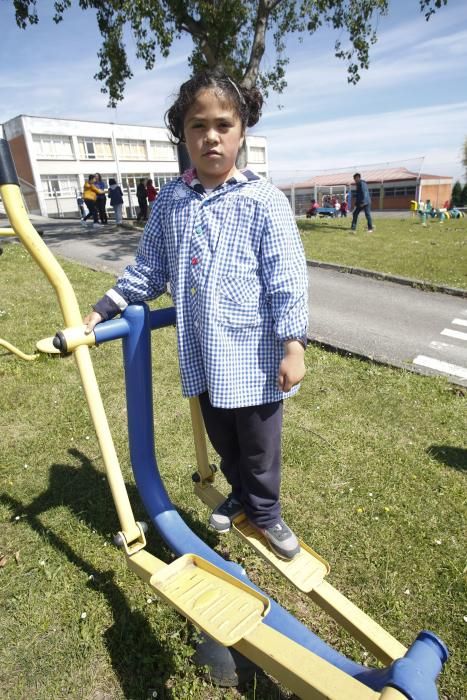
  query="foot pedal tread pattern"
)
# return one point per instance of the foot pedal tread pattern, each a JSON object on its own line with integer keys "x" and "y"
{"x": 218, "y": 603}
{"x": 306, "y": 570}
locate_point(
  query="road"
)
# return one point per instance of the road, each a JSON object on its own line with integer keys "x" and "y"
{"x": 391, "y": 323}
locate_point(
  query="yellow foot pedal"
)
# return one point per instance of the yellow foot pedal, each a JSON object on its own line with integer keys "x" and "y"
{"x": 212, "y": 599}
{"x": 306, "y": 570}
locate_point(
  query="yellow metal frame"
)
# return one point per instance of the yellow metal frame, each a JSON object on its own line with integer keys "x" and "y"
{"x": 17, "y": 214}
{"x": 195, "y": 587}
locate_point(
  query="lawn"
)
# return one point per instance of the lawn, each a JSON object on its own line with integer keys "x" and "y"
{"x": 374, "y": 479}
{"x": 436, "y": 254}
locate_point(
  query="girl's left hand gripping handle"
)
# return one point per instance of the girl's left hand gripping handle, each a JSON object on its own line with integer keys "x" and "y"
{"x": 8, "y": 174}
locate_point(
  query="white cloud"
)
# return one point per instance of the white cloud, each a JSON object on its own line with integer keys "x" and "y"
{"x": 435, "y": 132}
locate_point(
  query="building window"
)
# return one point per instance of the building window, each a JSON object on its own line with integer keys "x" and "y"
{"x": 161, "y": 178}
{"x": 60, "y": 185}
{"x": 131, "y": 149}
{"x": 106, "y": 177}
{"x": 91, "y": 148}
{"x": 408, "y": 191}
{"x": 162, "y": 150}
{"x": 131, "y": 180}
{"x": 257, "y": 154}
{"x": 53, "y": 147}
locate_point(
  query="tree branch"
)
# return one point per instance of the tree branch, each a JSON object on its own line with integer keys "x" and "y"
{"x": 259, "y": 43}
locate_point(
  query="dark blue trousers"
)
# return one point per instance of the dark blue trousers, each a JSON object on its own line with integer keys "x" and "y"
{"x": 365, "y": 208}
{"x": 248, "y": 441}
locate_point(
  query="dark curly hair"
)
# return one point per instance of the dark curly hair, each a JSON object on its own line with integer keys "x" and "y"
{"x": 247, "y": 102}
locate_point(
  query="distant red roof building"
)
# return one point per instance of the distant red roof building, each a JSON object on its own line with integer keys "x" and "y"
{"x": 390, "y": 188}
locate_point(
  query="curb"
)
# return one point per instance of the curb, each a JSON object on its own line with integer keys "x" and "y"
{"x": 131, "y": 227}
{"x": 407, "y": 281}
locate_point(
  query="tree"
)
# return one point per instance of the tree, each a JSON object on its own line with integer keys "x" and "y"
{"x": 456, "y": 195}
{"x": 229, "y": 34}
{"x": 464, "y": 196}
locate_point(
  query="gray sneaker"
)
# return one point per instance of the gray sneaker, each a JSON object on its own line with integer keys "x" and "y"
{"x": 221, "y": 518}
{"x": 282, "y": 540}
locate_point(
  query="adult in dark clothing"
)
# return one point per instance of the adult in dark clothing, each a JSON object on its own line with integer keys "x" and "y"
{"x": 142, "y": 196}
{"x": 101, "y": 200}
{"x": 362, "y": 203}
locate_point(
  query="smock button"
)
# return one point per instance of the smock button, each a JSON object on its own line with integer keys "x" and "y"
{"x": 194, "y": 261}
{"x": 193, "y": 290}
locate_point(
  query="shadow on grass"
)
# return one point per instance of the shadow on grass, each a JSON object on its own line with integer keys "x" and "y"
{"x": 320, "y": 227}
{"x": 140, "y": 661}
{"x": 455, "y": 457}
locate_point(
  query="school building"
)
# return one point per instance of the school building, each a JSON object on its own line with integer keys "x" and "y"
{"x": 391, "y": 189}
{"x": 53, "y": 158}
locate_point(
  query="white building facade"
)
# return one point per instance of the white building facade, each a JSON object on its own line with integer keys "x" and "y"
{"x": 54, "y": 157}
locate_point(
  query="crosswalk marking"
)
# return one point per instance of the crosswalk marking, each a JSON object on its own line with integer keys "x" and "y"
{"x": 440, "y": 366}
{"x": 454, "y": 334}
{"x": 445, "y": 347}
{"x": 459, "y": 321}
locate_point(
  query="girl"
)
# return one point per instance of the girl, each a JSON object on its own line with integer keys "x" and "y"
{"x": 228, "y": 244}
{"x": 116, "y": 199}
{"x": 152, "y": 193}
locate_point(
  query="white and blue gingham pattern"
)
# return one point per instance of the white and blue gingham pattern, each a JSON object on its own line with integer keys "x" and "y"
{"x": 237, "y": 273}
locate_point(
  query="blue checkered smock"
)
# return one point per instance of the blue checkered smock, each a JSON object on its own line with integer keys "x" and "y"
{"x": 237, "y": 273}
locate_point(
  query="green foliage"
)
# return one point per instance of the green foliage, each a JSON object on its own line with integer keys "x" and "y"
{"x": 457, "y": 194}
{"x": 464, "y": 196}
{"x": 229, "y": 34}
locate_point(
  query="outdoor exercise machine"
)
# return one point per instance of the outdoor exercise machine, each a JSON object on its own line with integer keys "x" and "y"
{"x": 214, "y": 594}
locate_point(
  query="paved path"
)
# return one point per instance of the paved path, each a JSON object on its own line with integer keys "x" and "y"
{"x": 387, "y": 322}
{"x": 391, "y": 323}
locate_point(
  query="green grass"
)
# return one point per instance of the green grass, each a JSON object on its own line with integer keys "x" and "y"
{"x": 374, "y": 479}
{"x": 436, "y": 254}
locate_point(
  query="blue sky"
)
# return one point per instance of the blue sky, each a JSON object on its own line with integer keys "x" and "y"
{"x": 412, "y": 102}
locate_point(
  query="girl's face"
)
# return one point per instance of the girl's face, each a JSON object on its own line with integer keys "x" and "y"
{"x": 213, "y": 136}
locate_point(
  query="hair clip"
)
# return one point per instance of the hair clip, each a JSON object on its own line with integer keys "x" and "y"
{"x": 236, "y": 88}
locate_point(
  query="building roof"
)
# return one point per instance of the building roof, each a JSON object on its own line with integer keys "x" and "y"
{"x": 95, "y": 121}
{"x": 370, "y": 175}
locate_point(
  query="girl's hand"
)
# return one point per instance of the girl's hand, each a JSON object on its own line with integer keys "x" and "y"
{"x": 91, "y": 320}
{"x": 292, "y": 368}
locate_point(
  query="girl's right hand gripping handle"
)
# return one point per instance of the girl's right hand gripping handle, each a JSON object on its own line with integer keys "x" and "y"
{"x": 8, "y": 174}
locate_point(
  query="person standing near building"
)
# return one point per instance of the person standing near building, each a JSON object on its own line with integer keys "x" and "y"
{"x": 116, "y": 199}
{"x": 142, "y": 196}
{"x": 90, "y": 193}
{"x": 152, "y": 193}
{"x": 362, "y": 203}
{"x": 101, "y": 200}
